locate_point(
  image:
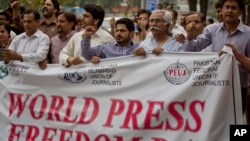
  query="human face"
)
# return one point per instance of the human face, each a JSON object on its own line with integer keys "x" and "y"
{"x": 3, "y": 19}
{"x": 48, "y": 9}
{"x": 4, "y": 35}
{"x": 219, "y": 14}
{"x": 30, "y": 24}
{"x": 79, "y": 22}
{"x": 122, "y": 34}
{"x": 195, "y": 23}
{"x": 231, "y": 12}
{"x": 143, "y": 20}
{"x": 63, "y": 25}
{"x": 87, "y": 19}
{"x": 157, "y": 23}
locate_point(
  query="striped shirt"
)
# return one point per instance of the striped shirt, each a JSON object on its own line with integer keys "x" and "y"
{"x": 107, "y": 50}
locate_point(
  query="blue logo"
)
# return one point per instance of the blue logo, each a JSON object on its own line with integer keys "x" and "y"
{"x": 72, "y": 76}
{"x": 3, "y": 71}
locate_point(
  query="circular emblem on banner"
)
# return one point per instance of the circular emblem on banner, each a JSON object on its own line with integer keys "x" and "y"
{"x": 72, "y": 75}
{"x": 177, "y": 73}
{"x": 3, "y": 71}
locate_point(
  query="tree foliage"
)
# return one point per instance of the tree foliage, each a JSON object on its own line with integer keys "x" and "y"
{"x": 37, "y": 4}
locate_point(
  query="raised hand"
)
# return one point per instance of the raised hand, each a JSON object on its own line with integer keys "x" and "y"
{"x": 88, "y": 31}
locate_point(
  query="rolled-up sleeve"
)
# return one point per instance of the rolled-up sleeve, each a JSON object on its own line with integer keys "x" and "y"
{"x": 87, "y": 51}
{"x": 85, "y": 48}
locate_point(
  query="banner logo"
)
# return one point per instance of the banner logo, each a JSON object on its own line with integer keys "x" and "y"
{"x": 177, "y": 73}
{"x": 3, "y": 71}
{"x": 72, "y": 76}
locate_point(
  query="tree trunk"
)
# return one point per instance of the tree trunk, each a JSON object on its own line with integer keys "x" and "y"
{"x": 127, "y": 8}
{"x": 248, "y": 15}
{"x": 203, "y": 7}
{"x": 192, "y": 5}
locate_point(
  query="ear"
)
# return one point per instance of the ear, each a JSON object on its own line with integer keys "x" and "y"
{"x": 96, "y": 21}
{"x": 56, "y": 11}
{"x": 38, "y": 21}
{"x": 131, "y": 34}
{"x": 72, "y": 24}
{"x": 241, "y": 11}
{"x": 168, "y": 25}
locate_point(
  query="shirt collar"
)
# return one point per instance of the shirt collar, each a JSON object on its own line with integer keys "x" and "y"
{"x": 36, "y": 34}
{"x": 42, "y": 22}
{"x": 240, "y": 26}
{"x": 129, "y": 45}
{"x": 67, "y": 36}
{"x": 99, "y": 32}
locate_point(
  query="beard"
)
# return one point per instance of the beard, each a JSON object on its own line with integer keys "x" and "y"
{"x": 46, "y": 13}
{"x": 59, "y": 30}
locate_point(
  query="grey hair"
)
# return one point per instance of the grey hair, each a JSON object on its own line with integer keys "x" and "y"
{"x": 167, "y": 16}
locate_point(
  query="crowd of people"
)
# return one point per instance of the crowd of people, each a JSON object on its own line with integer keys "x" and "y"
{"x": 61, "y": 37}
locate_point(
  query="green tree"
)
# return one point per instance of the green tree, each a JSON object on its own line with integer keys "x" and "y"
{"x": 246, "y": 13}
{"x": 4, "y": 4}
{"x": 37, "y": 4}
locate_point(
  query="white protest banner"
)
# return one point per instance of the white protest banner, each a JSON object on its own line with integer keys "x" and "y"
{"x": 171, "y": 97}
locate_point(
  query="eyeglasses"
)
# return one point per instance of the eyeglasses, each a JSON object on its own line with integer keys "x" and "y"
{"x": 157, "y": 21}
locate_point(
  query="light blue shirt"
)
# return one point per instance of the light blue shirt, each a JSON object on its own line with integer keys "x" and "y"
{"x": 216, "y": 35}
{"x": 171, "y": 45}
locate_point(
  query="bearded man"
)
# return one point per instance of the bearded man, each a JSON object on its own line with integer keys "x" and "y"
{"x": 49, "y": 10}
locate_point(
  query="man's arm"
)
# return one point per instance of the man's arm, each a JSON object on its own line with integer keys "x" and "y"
{"x": 68, "y": 51}
{"x": 16, "y": 20}
{"x": 244, "y": 60}
{"x": 87, "y": 51}
{"x": 197, "y": 41}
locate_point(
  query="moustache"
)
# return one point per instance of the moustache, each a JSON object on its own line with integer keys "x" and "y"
{"x": 118, "y": 37}
{"x": 155, "y": 28}
{"x": 44, "y": 9}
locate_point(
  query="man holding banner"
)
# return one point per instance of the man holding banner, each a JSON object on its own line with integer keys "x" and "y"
{"x": 123, "y": 46}
{"x": 232, "y": 31}
{"x": 186, "y": 96}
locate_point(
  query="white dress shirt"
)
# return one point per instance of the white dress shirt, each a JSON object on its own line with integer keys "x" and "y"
{"x": 32, "y": 49}
{"x": 177, "y": 29}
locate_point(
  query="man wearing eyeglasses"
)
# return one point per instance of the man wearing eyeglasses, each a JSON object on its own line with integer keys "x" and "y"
{"x": 160, "y": 39}
{"x": 231, "y": 31}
